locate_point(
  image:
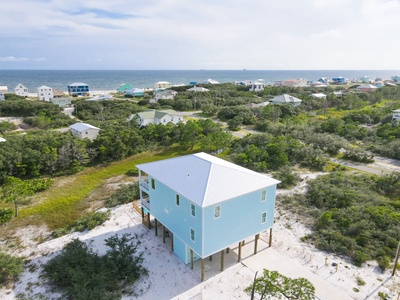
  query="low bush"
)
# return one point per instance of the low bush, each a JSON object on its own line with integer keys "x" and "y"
{"x": 125, "y": 194}
{"x": 81, "y": 273}
{"x": 10, "y": 268}
{"x": 5, "y": 215}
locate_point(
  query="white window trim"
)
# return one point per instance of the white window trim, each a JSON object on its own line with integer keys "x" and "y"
{"x": 191, "y": 210}
{"x": 194, "y": 235}
{"x": 262, "y": 214}
{"x": 217, "y": 217}
{"x": 262, "y": 193}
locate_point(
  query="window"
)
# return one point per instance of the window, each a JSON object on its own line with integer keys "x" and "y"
{"x": 153, "y": 184}
{"x": 192, "y": 237}
{"x": 193, "y": 210}
{"x": 177, "y": 199}
{"x": 217, "y": 211}
{"x": 263, "y": 217}
{"x": 263, "y": 195}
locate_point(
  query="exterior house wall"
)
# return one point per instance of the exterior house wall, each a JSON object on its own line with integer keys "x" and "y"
{"x": 2, "y": 97}
{"x": 21, "y": 90}
{"x": 45, "y": 93}
{"x": 90, "y": 133}
{"x": 80, "y": 89}
{"x": 177, "y": 218}
{"x": 239, "y": 218}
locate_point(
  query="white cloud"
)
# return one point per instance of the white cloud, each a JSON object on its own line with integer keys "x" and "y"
{"x": 204, "y": 34}
{"x": 12, "y": 58}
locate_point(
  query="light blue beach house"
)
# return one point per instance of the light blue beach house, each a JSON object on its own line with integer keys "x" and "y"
{"x": 206, "y": 204}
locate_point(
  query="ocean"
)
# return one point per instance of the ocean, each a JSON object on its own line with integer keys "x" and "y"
{"x": 99, "y": 80}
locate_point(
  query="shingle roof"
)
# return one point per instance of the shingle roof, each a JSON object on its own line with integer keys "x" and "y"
{"x": 82, "y": 127}
{"x": 205, "y": 179}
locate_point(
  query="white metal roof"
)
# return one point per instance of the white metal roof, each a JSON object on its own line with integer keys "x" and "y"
{"x": 82, "y": 127}
{"x": 285, "y": 98}
{"x": 78, "y": 84}
{"x": 205, "y": 179}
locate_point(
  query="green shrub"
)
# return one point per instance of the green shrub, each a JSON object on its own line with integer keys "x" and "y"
{"x": 89, "y": 221}
{"x": 5, "y": 215}
{"x": 39, "y": 184}
{"x": 85, "y": 222}
{"x": 133, "y": 172}
{"x": 10, "y": 268}
{"x": 125, "y": 194}
{"x": 82, "y": 274}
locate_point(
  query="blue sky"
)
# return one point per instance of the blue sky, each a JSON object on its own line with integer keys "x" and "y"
{"x": 218, "y": 34}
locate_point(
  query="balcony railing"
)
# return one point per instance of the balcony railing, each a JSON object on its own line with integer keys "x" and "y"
{"x": 144, "y": 183}
{"x": 145, "y": 201}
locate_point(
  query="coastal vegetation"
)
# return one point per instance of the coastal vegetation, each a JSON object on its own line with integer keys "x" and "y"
{"x": 353, "y": 214}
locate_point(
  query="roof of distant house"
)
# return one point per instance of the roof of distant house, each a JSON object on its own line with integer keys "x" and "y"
{"x": 366, "y": 86}
{"x": 44, "y": 87}
{"x": 78, "y": 83}
{"x": 285, "y": 98}
{"x": 198, "y": 89}
{"x": 58, "y": 92}
{"x": 82, "y": 127}
{"x": 206, "y": 179}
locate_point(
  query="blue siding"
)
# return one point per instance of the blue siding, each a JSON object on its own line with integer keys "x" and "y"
{"x": 180, "y": 249}
{"x": 177, "y": 219}
{"x": 240, "y": 218}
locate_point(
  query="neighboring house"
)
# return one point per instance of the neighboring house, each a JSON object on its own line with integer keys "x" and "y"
{"x": 396, "y": 115}
{"x": 295, "y": 82}
{"x": 378, "y": 84}
{"x": 45, "y": 93}
{"x": 210, "y": 81}
{"x": 2, "y": 140}
{"x": 319, "y": 96}
{"x": 58, "y": 93}
{"x": 339, "y": 80}
{"x": 198, "y": 89}
{"x": 21, "y": 90}
{"x": 61, "y": 101}
{"x": 78, "y": 89}
{"x": 255, "y": 86}
{"x": 156, "y": 117}
{"x": 165, "y": 94}
{"x": 364, "y": 79}
{"x": 162, "y": 85}
{"x": 206, "y": 203}
{"x": 323, "y": 80}
{"x": 366, "y": 88}
{"x": 100, "y": 97}
{"x": 123, "y": 88}
{"x": 2, "y": 97}
{"x": 286, "y": 99}
{"x": 84, "y": 130}
{"x": 135, "y": 92}
{"x": 338, "y": 94}
{"x": 396, "y": 78}
{"x": 4, "y": 89}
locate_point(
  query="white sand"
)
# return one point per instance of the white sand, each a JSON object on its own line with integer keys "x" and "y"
{"x": 169, "y": 278}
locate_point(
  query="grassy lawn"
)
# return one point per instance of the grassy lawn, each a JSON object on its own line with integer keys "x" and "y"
{"x": 63, "y": 203}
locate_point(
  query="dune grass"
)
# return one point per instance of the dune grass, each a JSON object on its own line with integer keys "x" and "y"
{"x": 61, "y": 205}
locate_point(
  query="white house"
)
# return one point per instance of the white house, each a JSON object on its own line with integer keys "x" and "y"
{"x": 162, "y": 85}
{"x": 2, "y": 140}
{"x": 211, "y": 81}
{"x": 198, "y": 89}
{"x": 396, "y": 115}
{"x": 255, "y": 86}
{"x": 84, "y": 130}
{"x": 165, "y": 94}
{"x": 45, "y": 93}
{"x": 286, "y": 99}
{"x": 2, "y": 97}
{"x": 21, "y": 90}
{"x": 157, "y": 117}
{"x": 4, "y": 89}
{"x": 319, "y": 96}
